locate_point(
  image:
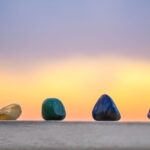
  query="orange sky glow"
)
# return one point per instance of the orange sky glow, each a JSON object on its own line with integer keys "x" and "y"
{"x": 78, "y": 83}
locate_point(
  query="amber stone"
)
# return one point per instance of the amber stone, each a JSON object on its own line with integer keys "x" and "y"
{"x": 10, "y": 112}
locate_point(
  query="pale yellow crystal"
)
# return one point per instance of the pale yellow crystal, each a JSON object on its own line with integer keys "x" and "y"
{"x": 10, "y": 112}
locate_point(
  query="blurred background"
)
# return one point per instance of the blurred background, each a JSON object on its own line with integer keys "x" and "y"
{"x": 76, "y": 51}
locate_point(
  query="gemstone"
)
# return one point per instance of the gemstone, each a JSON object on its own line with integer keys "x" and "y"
{"x": 53, "y": 109}
{"x": 10, "y": 112}
{"x": 105, "y": 109}
{"x": 148, "y": 115}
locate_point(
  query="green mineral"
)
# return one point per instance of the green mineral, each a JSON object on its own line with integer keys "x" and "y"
{"x": 53, "y": 109}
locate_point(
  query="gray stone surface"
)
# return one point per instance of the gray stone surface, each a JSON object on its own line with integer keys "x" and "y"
{"x": 55, "y": 135}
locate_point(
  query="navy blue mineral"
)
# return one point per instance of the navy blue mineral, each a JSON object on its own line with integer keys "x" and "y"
{"x": 105, "y": 110}
{"x": 148, "y": 115}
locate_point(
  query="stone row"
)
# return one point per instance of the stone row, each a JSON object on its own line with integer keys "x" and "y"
{"x": 53, "y": 109}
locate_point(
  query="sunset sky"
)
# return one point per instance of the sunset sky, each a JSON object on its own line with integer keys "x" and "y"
{"x": 76, "y": 51}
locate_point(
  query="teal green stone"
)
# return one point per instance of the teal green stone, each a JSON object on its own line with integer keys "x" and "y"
{"x": 53, "y": 109}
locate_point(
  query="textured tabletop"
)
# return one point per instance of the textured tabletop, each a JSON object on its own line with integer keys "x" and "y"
{"x": 55, "y": 135}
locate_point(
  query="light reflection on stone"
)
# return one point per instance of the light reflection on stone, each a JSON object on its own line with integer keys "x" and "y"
{"x": 10, "y": 112}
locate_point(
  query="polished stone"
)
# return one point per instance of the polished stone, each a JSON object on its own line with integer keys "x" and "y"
{"x": 10, "y": 112}
{"x": 53, "y": 109}
{"x": 105, "y": 109}
{"x": 148, "y": 115}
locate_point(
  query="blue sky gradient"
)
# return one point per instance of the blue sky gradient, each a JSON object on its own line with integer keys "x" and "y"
{"x": 34, "y": 31}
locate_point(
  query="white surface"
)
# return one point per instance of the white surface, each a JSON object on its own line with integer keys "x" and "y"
{"x": 51, "y": 135}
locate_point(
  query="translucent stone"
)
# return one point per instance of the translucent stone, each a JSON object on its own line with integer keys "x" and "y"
{"x": 10, "y": 112}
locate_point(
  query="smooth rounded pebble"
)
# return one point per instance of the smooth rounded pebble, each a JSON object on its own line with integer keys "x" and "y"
{"x": 105, "y": 109}
{"x": 148, "y": 115}
{"x": 53, "y": 109}
{"x": 10, "y": 112}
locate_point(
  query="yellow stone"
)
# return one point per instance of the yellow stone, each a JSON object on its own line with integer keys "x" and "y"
{"x": 10, "y": 112}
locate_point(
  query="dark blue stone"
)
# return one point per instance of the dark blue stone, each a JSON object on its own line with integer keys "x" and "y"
{"x": 105, "y": 109}
{"x": 148, "y": 115}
